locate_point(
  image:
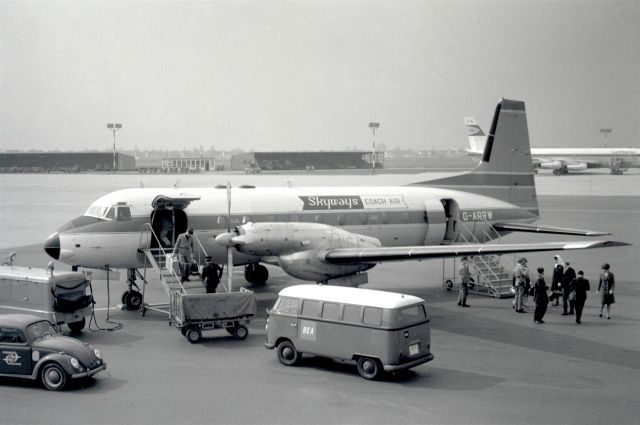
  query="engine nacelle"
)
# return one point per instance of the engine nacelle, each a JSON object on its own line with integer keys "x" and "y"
{"x": 300, "y": 247}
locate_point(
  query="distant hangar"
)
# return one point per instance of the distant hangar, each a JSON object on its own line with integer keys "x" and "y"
{"x": 332, "y": 160}
{"x": 25, "y": 162}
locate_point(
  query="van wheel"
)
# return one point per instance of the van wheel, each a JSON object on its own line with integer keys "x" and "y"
{"x": 193, "y": 335}
{"x": 78, "y": 326}
{"x": 287, "y": 353}
{"x": 53, "y": 377}
{"x": 449, "y": 284}
{"x": 133, "y": 300}
{"x": 369, "y": 368}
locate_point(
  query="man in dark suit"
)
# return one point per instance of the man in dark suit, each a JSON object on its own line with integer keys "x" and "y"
{"x": 556, "y": 280}
{"x": 581, "y": 287}
{"x": 567, "y": 285}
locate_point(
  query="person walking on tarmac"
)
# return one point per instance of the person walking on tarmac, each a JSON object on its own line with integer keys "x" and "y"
{"x": 211, "y": 274}
{"x": 521, "y": 275}
{"x": 540, "y": 297}
{"x": 556, "y": 280}
{"x": 605, "y": 288}
{"x": 581, "y": 287}
{"x": 184, "y": 248}
{"x": 567, "y": 285}
{"x": 465, "y": 277}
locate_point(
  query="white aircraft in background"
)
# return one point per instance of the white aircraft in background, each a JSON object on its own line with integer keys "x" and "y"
{"x": 326, "y": 234}
{"x": 563, "y": 160}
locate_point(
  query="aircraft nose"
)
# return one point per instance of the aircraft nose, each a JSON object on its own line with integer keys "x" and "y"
{"x": 52, "y": 246}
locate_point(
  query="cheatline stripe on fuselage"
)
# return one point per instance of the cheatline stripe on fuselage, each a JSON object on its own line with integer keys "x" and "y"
{"x": 339, "y": 218}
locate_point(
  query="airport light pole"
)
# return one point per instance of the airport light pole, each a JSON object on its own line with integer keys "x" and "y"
{"x": 606, "y": 132}
{"x": 373, "y": 126}
{"x": 114, "y": 128}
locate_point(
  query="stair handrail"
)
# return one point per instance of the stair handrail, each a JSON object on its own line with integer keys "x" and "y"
{"x": 201, "y": 248}
{"x": 161, "y": 249}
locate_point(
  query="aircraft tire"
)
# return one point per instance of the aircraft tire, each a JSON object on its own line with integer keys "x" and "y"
{"x": 133, "y": 300}
{"x": 261, "y": 275}
{"x": 369, "y": 368}
{"x": 287, "y": 353}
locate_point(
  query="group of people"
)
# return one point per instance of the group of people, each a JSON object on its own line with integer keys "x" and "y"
{"x": 211, "y": 272}
{"x": 565, "y": 284}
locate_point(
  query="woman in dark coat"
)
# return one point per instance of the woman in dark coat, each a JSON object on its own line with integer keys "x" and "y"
{"x": 605, "y": 288}
{"x": 540, "y": 297}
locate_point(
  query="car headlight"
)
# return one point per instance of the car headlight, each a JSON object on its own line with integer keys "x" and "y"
{"x": 75, "y": 363}
{"x": 97, "y": 353}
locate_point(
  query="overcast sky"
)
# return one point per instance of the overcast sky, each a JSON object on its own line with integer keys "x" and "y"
{"x": 307, "y": 75}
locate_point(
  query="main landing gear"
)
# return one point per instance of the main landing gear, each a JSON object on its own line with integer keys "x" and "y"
{"x": 256, "y": 274}
{"x": 131, "y": 298}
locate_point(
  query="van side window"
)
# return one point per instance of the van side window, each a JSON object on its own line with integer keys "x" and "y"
{"x": 352, "y": 313}
{"x": 287, "y": 305}
{"x": 310, "y": 308}
{"x": 330, "y": 311}
{"x": 411, "y": 315}
{"x": 372, "y": 316}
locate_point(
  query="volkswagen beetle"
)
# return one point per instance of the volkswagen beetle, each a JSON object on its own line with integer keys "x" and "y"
{"x": 31, "y": 348}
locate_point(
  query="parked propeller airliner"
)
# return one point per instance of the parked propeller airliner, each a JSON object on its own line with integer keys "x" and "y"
{"x": 564, "y": 160}
{"x": 327, "y": 234}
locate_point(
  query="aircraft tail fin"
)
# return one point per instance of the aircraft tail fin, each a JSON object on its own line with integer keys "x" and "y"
{"x": 506, "y": 172}
{"x": 475, "y": 135}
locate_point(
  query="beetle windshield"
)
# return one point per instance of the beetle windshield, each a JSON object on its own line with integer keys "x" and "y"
{"x": 40, "y": 329}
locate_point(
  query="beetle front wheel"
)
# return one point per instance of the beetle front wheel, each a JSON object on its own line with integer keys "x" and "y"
{"x": 53, "y": 377}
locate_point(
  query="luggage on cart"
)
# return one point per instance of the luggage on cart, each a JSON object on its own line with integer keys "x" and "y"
{"x": 193, "y": 313}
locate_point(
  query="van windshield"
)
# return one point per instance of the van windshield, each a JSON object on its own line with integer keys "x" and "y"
{"x": 412, "y": 315}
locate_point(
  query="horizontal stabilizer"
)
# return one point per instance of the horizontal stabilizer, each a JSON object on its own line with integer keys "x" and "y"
{"x": 402, "y": 253}
{"x": 536, "y": 228}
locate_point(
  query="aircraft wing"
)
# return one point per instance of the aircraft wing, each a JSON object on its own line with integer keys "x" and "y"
{"x": 401, "y": 253}
{"x": 536, "y": 228}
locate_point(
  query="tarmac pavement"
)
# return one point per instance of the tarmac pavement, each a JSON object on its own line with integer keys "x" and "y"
{"x": 491, "y": 366}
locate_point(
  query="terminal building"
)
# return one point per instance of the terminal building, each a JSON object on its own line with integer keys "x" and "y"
{"x": 44, "y": 162}
{"x": 268, "y": 161}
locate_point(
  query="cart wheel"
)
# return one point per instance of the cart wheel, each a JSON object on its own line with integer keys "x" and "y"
{"x": 287, "y": 353}
{"x": 183, "y": 331}
{"x": 449, "y": 284}
{"x": 240, "y": 332}
{"x": 472, "y": 283}
{"x": 193, "y": 335}
{"x": 78, "y": 326}
{"x": 231, "y": 330}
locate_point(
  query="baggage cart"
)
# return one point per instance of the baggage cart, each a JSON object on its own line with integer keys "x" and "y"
{"x": 194, "y": 313}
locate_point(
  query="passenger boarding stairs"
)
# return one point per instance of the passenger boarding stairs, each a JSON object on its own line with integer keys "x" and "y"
{"x": 169, "y": 276}
{"x": 489, "y": 275}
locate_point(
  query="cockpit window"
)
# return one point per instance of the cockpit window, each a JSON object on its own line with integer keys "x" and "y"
{"x": 119, "y": 212}
{"x": 124, "y": 214}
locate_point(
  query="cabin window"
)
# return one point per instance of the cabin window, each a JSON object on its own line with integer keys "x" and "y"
{"x": 317, "y": 218}
{"x": 111, "y": 214}
{"x": 330, "y": 311}
{"x": 352, "y": 313}
{"x": 372, "y": 316}
{"x": 310, "y": 308}
{"x": 342, "y": 220}
{"x": 406, "y": 218}
{"x": 294, "y": 218}
{"x": 363, "y": 218}
{"x": 384, "y": 217}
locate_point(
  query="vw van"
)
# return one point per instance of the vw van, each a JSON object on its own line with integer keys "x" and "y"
{"x": 379, "y": 331}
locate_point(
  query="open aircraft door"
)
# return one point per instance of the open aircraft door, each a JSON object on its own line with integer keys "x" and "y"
{"x": 452, "y": 220}
{"x": 169, "y": 219}
{"x": 434, "y": 216}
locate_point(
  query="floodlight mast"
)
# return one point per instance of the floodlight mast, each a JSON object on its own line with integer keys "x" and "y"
{"x": 373, "y": 126}
{"x": 114, "y": 128}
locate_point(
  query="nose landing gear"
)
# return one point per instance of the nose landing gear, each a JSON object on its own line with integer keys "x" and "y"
{"x": 131, "y": 298}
